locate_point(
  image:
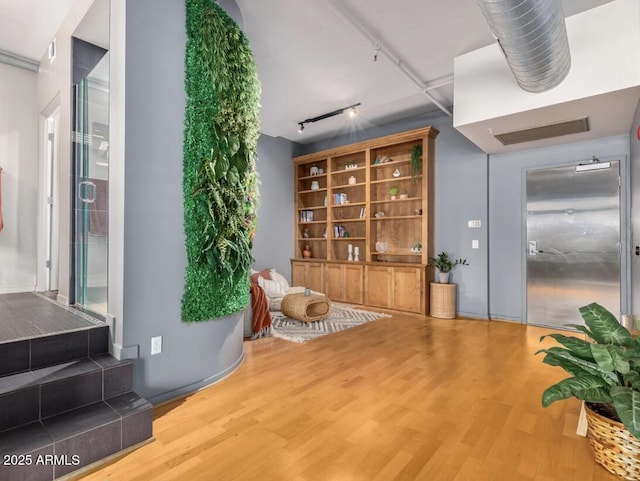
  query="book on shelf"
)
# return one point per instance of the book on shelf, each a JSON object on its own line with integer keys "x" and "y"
{"x": 340, "y": 198}
{"x": 306, "y": 216}
{"x": 363, "y": 212}
{"x": 340, "y": 231}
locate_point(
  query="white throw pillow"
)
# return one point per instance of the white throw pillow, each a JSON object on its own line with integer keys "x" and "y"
{"x": 280, "y": 279}
{"x": 272, "y": 288}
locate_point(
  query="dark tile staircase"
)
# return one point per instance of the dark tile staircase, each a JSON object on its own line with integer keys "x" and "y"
{"x": 65, "y": 403}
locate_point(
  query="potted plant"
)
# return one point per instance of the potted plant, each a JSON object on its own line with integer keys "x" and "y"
{"x": 394, "y": 191}
{"x": 416, "y": 161}
{"x": 444, "y": 264}
{"x": 605, "y": 373}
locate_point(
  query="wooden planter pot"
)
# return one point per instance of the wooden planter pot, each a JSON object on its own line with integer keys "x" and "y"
{"x": 614, "y": 448}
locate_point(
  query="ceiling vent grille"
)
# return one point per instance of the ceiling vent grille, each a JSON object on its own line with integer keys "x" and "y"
{"x": 544, "y": 132}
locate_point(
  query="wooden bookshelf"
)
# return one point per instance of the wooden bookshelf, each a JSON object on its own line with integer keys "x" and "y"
{"x": 343, "y": 203}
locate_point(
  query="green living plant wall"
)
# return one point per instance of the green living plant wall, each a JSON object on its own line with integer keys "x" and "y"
{"x": 219, "y": 176}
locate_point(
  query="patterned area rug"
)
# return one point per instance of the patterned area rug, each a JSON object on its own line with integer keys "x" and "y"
{"x": 340, "y": 318}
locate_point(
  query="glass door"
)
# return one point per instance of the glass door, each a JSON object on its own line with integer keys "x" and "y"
{"x": 91, "y": 189}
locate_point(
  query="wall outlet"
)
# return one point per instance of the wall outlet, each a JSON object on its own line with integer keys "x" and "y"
{"x": 156, "y": 345}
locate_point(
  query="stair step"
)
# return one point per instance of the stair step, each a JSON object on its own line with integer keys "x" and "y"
{"x": 27, "y": 354}
{"x": 78, "y": 438}
{"x": 29, "y": 396}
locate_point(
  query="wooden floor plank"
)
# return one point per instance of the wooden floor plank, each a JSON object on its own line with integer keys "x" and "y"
{"x": 401, "y": 398}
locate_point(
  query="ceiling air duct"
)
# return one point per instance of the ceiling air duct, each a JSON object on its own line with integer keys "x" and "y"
{"x": 533, "y": 38}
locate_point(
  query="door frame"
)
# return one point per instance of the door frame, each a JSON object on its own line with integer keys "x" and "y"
{"x": 625, "y": 227}
{"x": 48, "y": 172}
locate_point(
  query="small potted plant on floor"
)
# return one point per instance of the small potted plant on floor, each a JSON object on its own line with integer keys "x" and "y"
{"x": 444, "y": 264}
{"x": 605, "y": 373}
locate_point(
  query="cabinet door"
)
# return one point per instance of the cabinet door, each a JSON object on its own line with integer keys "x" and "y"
{"x": 297, "y": 273}
{"x": 407, "y": 289}
{"x": 377, "y": 283}
{"x": 335, "y": 282}
{"x": 353, "y": 284}
{"x": 314, "y": 276}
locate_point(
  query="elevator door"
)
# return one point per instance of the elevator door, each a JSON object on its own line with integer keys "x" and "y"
{"x": 573, "y": 243}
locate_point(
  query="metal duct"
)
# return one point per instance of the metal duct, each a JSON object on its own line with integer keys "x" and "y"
{"x": 533, "y": 38}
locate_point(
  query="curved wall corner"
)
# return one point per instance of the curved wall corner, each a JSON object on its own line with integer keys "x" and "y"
{"x": 194, "y": 356}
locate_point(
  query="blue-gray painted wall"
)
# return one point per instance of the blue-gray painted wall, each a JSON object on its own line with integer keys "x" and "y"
{"x": 635, "y": 213}
{"x": 273, "y": 244}
{"x": 154, "y": 252}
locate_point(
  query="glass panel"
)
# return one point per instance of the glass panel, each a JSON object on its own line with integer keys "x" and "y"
{"x": 91, "y": 196}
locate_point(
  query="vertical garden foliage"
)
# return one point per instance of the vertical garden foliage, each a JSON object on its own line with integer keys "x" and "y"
{"x": 219, "y": 176}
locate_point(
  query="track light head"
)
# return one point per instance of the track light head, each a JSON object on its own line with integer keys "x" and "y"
{"x": 353, "y": 112}
{"x": 300, "y": 127}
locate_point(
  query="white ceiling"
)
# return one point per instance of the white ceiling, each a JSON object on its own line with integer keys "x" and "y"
{"x": 312, "y": 61}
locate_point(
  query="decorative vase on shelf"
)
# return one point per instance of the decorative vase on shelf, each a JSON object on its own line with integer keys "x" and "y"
{"x": 306, "y": 253}
{"x": 306, "y": 234}
{"x": 315, "y": 185}
{"x": 356, "y": 254}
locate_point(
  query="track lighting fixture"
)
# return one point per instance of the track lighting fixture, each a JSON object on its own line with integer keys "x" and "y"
{"x": 352, "y": 113}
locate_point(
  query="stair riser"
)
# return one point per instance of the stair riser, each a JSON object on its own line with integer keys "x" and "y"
{"x": 25, "y": 355}
{"x": 26, "y": 405}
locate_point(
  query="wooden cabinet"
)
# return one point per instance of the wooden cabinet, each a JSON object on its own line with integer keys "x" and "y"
{"x": 345, "y": 282}
{"x": 346, "y": 201}
{"x": 395, "y": 287}
{"x": 308, "y": 274}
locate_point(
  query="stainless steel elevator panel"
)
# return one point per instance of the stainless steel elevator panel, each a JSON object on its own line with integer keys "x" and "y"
{"x": 573, "y": 243}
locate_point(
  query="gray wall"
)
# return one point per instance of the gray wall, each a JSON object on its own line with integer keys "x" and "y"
{"x": 154, "y": 252}
{"x": 506, "y": 213}
{"x": 635, "y": 213}
{"x": 461, "y": 195}
{"x": 273, "y": 244}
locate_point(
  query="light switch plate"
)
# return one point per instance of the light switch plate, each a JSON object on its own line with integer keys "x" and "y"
{"x": 475, "y": 244}
{"x": 474, "y": 224}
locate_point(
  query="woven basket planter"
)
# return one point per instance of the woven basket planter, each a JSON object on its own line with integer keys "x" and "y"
{"x": 614, "y": 447}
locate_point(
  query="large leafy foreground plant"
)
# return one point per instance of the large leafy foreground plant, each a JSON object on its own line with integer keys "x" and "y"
{"x": 605, "y": 371}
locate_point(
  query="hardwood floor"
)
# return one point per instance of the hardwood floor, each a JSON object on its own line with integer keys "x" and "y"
{"x": 401, "y": 398}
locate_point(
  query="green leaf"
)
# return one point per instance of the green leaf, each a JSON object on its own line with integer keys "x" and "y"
{"x": 563, "y": 358}
{"x": 234, "y": 144}
{"x": 579, "y": 347}
{"x": 609, "y": 358}
{"x": 586, "y": 388}
{"x": 581, "y": 328}
{"x": 632, "y": 378}
{"x": 627, "y": 403}
{"x": 604, "y": 327}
